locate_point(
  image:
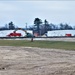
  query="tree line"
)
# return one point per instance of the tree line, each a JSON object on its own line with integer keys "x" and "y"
{"x": 9, "y": 26}
{"x": 40, "y": 26}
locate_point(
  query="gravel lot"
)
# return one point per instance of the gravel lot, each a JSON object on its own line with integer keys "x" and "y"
{"x": 36, "y": 61}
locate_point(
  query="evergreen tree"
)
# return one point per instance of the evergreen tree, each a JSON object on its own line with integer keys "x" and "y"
{"x": 46, "y": 24}
{"x": 11, "y": 25}
{"x": 37, "y": 22}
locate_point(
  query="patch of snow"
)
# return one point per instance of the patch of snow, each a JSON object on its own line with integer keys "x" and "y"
{"x": 61, "y": 32}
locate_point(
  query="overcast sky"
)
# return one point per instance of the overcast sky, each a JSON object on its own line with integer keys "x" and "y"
{"x": 22, "y": 12}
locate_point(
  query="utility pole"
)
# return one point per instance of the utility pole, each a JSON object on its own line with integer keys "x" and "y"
{"x": 26, "y": 25}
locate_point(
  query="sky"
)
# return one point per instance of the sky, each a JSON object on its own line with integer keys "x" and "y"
{"x": 22, "y": 12}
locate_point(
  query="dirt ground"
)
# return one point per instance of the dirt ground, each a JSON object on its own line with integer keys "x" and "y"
{"x": 36, "y": 61}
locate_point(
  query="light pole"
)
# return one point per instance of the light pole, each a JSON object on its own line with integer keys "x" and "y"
{"x": 26, "y": 25}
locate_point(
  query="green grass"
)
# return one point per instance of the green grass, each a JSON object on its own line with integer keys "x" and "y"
{"x": 41, "y": 44}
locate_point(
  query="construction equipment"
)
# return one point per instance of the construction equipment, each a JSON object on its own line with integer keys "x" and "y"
{"x": 15, "y": 34}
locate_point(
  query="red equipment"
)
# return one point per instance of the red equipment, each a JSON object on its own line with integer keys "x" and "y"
{"x": 68, "y": 35}
{"x": 14, "y": 34}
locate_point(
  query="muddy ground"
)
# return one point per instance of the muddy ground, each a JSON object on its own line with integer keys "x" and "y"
{"x": 36, "y": 61}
